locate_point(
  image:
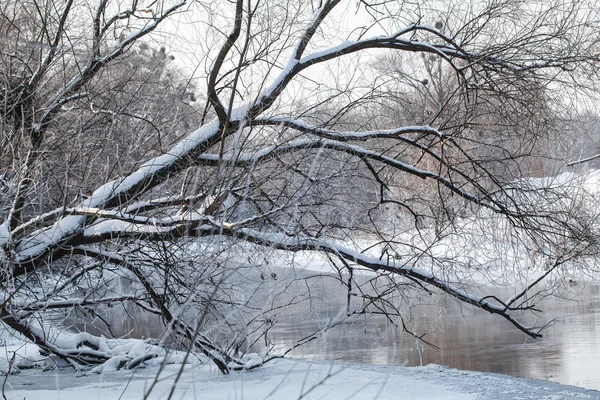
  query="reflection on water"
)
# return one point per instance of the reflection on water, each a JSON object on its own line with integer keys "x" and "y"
{"x": 468, "y": 339}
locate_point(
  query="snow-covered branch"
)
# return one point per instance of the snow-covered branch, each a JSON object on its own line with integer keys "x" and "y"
{"x": 347, "y": 136}
{"x": 71, "y": 303}
{"x": 296, "y": 244}
{"x": 304, "y": 144}
{"x": 583, "y": 160}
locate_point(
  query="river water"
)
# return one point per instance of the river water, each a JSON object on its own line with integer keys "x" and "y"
{"x": 467, "y": 338}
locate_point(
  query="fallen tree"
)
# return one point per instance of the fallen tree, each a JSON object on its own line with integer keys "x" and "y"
{"x": 285, "y": 158}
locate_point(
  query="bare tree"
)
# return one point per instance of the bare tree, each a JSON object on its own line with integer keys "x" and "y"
{"x": 292, "y": 155}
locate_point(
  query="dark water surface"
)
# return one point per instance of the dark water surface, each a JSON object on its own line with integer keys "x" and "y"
{"x": 467, "y": 338}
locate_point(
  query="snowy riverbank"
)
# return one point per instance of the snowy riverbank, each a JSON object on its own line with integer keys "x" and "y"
{"x": 290, "y": 379}
{"x": 279, "y": 379}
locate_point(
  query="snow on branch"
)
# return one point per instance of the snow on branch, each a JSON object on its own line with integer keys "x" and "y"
{"x": 583, "y": 160}
{"x": 295, "y": 244}
{"x": 122, "y": 216}
{"x": 185, "y": 153}
{"x": 224, "y": 361}
{"x": 346, "y": 136}
{"x": 70, "y": 303}
{"x": 96, "y": 64}
{"x": 297, "y": 64}
{"x": 119, "y": 191}
{"x": 303, "y": 144}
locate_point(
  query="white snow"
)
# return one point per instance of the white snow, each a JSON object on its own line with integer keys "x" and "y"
{"x": 289, "y": 379}
{"x": 316, "y": 56}
{"x": 291, "y": 64}
{"x": 350, "y": 46}
{"x": 353, "y": 135}
{"x": 45, "y": 238}
{"x": 365, "y": 259}
{"x": 48, "y": 237}
{"x": 4, "y": 234}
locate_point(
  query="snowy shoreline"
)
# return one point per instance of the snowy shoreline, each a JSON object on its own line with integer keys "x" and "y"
{"x": 290, "y": 379}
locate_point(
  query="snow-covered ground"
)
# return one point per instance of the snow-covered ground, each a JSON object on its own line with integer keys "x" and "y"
{"x": 279, "y": 379}
{"x": 290, "y": 379}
